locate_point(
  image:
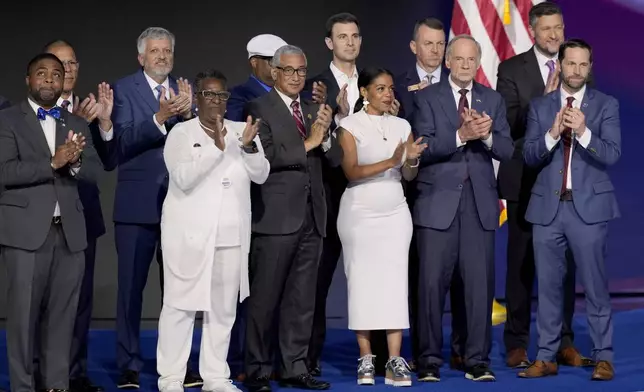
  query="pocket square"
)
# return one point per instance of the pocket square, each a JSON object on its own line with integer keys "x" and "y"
{"x": 196, "y": 145}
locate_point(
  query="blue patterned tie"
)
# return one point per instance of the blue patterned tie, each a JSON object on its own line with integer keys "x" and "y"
{"x": 54, "y": 112}
{"x": 159, "y": 91}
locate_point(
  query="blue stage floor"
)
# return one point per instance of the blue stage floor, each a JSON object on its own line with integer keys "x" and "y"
{"x": 341, "y": 354}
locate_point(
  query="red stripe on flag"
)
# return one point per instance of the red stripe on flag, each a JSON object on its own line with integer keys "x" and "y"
{"x": 481, "y": 78}
{"x": 523, "y": 6}
{"x": 495, "y": 29}
{"x": 459, "y": 23}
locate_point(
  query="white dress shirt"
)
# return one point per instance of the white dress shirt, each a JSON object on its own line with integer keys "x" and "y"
{"x": 434, "y": 77}
{"x": 105, "y": 135}
{"x": 584, "y": 140}
{"x": 457, "y": 98}
{"x": 542, "y": 60}
{"x": 153, "y": 86}
{"x": 353, "y": 93}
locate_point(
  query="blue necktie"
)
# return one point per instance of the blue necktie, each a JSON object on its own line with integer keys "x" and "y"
{"x": 158, "y": 88}
{"x": 54, "y": 112}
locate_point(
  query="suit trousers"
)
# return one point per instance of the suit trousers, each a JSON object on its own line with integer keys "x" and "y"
{"x": 42, "y": 299}
{"x": 283, "y": 276}
{"x": 176, "y": 328}
{"x": 78, "y": 365}
{"x": 519, "y": 281}
{"x": 468, "y": 246}
{"x": 588, "y": 246}
{"x": 135, "y": 246}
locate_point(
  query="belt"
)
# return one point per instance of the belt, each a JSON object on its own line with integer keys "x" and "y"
{"x": 56, "y": 220}
{"x": 566, "y": 195}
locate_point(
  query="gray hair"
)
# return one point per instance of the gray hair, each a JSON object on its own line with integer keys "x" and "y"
{"x": 448, "y": 50}
{"x": 284, "y": 50}
{"x": 153, "y": 33}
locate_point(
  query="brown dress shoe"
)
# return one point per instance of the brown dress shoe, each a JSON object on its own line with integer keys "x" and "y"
{"x": 603, "y": 371}
{"x": 517, "y": 358}
{"x": 539, "y": 369}
{"x": 569, "y": 356}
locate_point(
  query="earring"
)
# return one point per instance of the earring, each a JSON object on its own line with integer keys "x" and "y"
{"x": 365, "y": 102}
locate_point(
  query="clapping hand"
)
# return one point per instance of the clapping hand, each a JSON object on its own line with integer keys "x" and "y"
{"x": 575, "y": 119}
{"x": 70, "y": 151}
{"x": 395, "y": 108}
{"x": 324, "y": 116}
{"x": 415, "y": 148}
{"x": 106, "y": 105}
{"x": 319, "y": 92}
{"x": 87, "y": 109}
{"x": 185, "y": 91}
{"x": 553, "y": 81}
{"x": 250, "y": 131}
{"x": 475, "y": 126}
{"x": 343, "y": 101}
{"x": 557, "y": 124}
{"x": 397, "y": 157}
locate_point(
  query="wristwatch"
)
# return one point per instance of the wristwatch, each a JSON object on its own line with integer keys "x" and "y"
{"x": 250, "y": 149}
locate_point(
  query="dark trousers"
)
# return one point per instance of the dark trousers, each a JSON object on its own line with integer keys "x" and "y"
{"x": 78, "y": 364}
{"x": 520, "y": 277}
{"x": 331, "y": 250}
{"x": 135, "y": 246}
{"x": 283, "y": 273}
{"x": 466, "y": 245}
{"x": 42, "y": 298}
{"x": 588, "y": 246}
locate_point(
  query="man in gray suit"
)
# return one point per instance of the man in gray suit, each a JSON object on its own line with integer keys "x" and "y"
{"x": 43, "y": 152}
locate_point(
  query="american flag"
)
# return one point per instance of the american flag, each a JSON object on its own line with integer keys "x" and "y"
{"x": 501, "y": 27}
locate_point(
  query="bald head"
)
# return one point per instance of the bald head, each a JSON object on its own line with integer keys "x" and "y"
{"x": 65, "y": 52}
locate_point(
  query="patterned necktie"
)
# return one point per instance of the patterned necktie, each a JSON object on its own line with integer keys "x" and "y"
{"x": 299, "y": 120}
{"x": 54, "y": 112}
{"x": 551, "y": 67}
{"x": 566, "y": 136}
{"x": 65, "y": 105}
{"x": 159, "y": 89}
{"x": 462, "y": 104}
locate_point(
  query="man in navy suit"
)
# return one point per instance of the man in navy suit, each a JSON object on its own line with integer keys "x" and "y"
{"x": 147, "y": 104}
{"x": 260, "y": 49}
{"x": 456, "y": 211}
{"x": 574, "y": 135}
{"x": 428, "y": 45}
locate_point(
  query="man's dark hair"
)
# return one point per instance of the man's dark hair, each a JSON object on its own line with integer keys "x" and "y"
{"x": 546, "y": 8}
{"x": 432, "y": 23}
{"x": 343, "y": 17}
{"x": 40, "y": 57}
{"x": 210, "y": 74}
{"x": 57, "y": 42}
{"x": 575, "y": 43}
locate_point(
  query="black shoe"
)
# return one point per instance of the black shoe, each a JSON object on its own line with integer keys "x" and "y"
{"x": 55, "y": 390}
{"x": 304, "y": 381}
{"x": 129, "y": 380}
{"x": 480, "y": 372}
{"x": 192, "y": 380}
{"x": 257, "y": 384}
{"x": 430, "y": 373}
{"x": 83, "y": 384}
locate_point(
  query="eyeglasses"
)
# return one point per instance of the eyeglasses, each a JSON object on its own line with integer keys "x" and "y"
{"x": 210, "y": 95}
{"x": 289, "y": 71}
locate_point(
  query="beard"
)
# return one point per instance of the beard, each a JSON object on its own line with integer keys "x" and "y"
{"x": 46, "y": 96}
{"x": 160, "y": 71}
{"x": 575, "y": 84}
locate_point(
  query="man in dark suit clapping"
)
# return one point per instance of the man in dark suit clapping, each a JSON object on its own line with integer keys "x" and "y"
{"x": 288, "y": 224}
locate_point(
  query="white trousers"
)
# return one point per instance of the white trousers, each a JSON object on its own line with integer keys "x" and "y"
{"x": 176, "y": 328}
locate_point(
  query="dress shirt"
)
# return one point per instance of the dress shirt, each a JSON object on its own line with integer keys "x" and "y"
{"x": 584, "y": 140}
{"x": 434, "y": 77}
{"x": 49, "y": 129}
{"x": 264, "y": 85}
{"x": 543, "y": 68}
{"x": 457, "y": 97}
{"x": 105, "y": 135}
{"x": 153, "y": 86}
{"x": 326, "y": 145}
{"x": 353, "y": 93}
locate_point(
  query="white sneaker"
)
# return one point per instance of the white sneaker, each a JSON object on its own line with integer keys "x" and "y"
{"x": 173, "y": 386}
{"x": 223, "y": 386}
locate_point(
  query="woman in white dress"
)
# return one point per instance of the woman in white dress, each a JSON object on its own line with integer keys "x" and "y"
{"x": 205, "y": 234}
{"x": 374, "y": 222}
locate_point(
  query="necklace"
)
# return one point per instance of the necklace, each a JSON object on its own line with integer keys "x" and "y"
{"x": 379, "y": 127}
{"x": 209, "y": 129}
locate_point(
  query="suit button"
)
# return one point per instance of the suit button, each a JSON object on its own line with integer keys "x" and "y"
{"x": 556, "y": 192}
{"x": 561, "y": 171}
{"x": 460, "y": 186}
{"x": 306, "y": 187}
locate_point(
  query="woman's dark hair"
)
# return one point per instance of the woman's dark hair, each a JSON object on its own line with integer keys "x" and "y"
{"x": 366, "y": 77}
{"x": 209, "y": 74}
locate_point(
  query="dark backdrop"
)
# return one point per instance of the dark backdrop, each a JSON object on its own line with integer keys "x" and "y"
{"x": 214, "y": 34}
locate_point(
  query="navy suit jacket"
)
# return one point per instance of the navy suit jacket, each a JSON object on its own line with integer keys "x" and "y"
{"x": 4, "y": 103}
{"x": 444, "y": 167}
{"x": 142, "y": 175}
{"x": 593, "y": 191}
{"x": 406, "y": 97}
{"x": 240, "y": 96}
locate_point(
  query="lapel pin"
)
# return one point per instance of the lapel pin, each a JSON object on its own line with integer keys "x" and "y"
{"x": 309, "y": 116}
{"x": 478, "y": 100}
{"x": 584, "y": 105}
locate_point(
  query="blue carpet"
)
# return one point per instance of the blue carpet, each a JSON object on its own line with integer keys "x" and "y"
{"x": 341, "y": 355}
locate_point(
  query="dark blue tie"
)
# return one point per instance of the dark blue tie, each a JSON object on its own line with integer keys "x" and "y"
{"x": 54, "y": 112}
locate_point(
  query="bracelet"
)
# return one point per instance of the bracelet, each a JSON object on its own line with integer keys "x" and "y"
{"x": 413, "y": 166}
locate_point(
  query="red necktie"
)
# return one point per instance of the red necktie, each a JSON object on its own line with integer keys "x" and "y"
{"x": 297, "y": 116}
{"x": 566, "y": 136}
{"x": 462, "y": 105}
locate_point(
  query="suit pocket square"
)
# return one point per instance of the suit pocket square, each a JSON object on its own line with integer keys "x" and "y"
{"x": 196, "y": 145}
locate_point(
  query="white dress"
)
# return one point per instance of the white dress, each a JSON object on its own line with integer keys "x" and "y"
{"x": 375, "y": 227}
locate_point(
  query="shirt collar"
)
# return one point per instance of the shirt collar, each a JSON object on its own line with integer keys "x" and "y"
{"x": 579, "y": 95}
{"x": 70, "y": 108}
{"x": 340, "y": 75}
{"x": 456, "y": 88}
{"x": 33, "y": 105}
{"x": 264, "y": 85}
{"x": 422, "y": 73}
{"x": 541, "y": 58}
{"x": 153, "y": 84}
{"x": 287, "y": 100}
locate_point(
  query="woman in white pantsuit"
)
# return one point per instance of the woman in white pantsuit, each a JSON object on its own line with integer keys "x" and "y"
{"x": 374, "y": 222}
{"x": 205, "y": 234}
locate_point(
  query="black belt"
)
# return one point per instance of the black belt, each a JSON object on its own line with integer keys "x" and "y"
{"x": 566, "y": 195}
{"x": 56, "y": 220}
